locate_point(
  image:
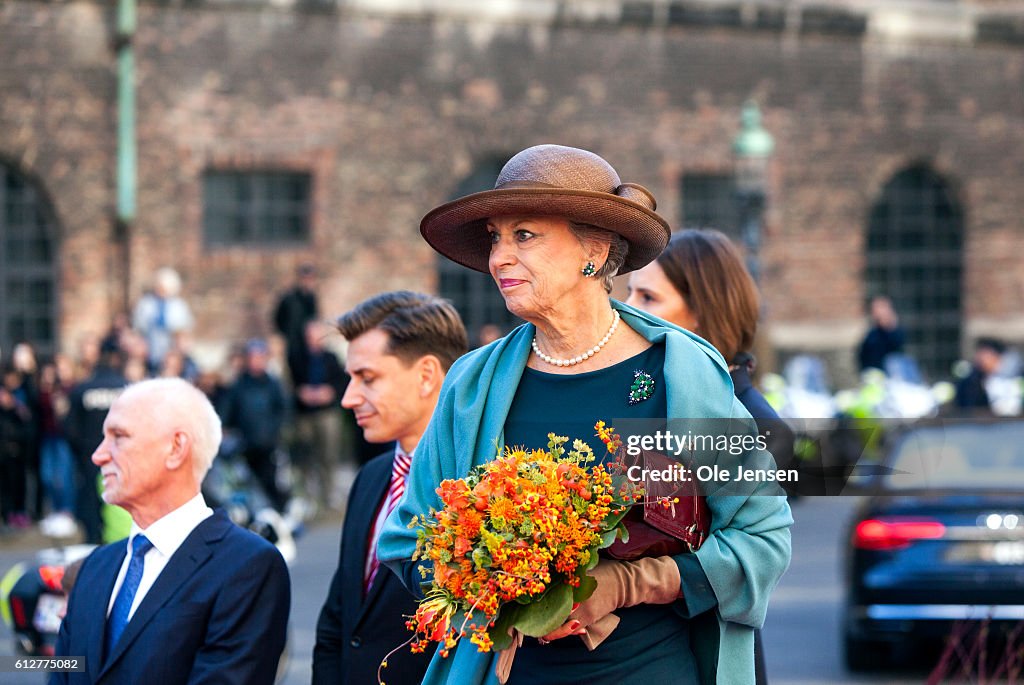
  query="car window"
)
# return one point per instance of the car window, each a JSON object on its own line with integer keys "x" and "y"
{"x": 959, "y": 456}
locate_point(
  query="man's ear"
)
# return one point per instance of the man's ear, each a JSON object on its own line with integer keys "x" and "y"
{"x": 181, "y": 450}
{"x": 430, "y": 375}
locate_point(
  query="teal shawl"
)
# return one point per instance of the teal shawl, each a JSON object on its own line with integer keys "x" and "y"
{"x": 743, "y": 558}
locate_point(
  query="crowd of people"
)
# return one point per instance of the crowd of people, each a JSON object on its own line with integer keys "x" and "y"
{"x": 52, "y": 410}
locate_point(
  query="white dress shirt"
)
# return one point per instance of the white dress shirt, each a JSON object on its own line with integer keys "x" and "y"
{"x": 166, "y": 535}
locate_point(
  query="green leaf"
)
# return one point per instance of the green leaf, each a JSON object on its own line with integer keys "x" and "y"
{"x": 613, "y": 519}
{"x": 587, "y": 586}
{"x": 608, "y": 537}
{"x": 550, "y": 611}
{"x": 499, "y": 631}
{"x": 623, "y": 533}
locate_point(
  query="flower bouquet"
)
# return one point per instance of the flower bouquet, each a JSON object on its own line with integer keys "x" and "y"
{"x": 514, "y": 540}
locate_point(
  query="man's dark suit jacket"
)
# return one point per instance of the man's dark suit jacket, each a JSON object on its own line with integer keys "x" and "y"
{"x": 355, "y": 633}
{"x": 217, "y": 613}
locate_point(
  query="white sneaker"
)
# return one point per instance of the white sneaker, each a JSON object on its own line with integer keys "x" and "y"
{"x": 59, "y": 525}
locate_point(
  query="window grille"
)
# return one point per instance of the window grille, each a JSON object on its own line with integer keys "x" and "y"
{"x": 915, "y": 256}
{"x": 256, "y": 208}
{"x": 28, "y": 306}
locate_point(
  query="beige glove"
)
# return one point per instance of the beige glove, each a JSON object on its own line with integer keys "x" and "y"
{"x": 620, "y": 584}
{"x": 507, "y": 655}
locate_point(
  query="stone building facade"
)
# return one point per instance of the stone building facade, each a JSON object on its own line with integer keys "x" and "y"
{"x": 388, "y": 108}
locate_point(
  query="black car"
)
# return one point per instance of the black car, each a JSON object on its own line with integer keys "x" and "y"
{"x": 939, "y": 541}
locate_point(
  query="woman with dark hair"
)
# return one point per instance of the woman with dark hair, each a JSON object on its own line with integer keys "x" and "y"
{"x": 700, "y": 283}
{"x": 557, "y": 227}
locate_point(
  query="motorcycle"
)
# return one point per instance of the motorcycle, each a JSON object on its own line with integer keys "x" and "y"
{"x": 33, "y": 600}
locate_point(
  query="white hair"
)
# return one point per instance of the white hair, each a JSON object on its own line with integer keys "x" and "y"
{"x": 168, "y": 280}
{"x": 181, "y": 402}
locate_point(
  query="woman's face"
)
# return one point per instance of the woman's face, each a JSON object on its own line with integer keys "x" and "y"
{"x": 537, "y": 263}
{"x": 651, "y": 291}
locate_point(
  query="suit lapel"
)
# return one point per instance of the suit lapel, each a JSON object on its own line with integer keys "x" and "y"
{"x": 192, "y": 554}
{"x": 94, "y": 601}
{"x": 383, "y": 577}
{"x": 362, "y": 528}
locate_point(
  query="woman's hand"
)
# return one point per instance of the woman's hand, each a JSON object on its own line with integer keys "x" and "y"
{"x": 651, "y": 580}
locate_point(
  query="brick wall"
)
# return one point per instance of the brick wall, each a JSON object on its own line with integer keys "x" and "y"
{"x": 389, "y": 112}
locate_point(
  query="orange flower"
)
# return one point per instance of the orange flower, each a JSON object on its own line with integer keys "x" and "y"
{"x": 511, "y": 530}
{"x": 454, "y": 493}
{"x": 502, "y": 508}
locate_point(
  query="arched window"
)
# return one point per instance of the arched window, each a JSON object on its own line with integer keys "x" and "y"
{"x": 28, "y": 308}
{"x": 473, "y": 293}
{"x": 914, "y": 255}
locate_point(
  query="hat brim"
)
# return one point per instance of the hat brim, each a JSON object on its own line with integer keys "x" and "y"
{"x": 457, "y": 229}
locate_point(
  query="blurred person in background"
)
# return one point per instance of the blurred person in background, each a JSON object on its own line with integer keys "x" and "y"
{"x": 297, "y": 307}
{"x": 178, "y": 364}
{"x": 701, "y": 284}
{"x": 318, "y": 383}
{"x": 173, "y": 365}
{"x": 489, "y": 332}
{"x": 182, "y": 344}
{"x": 212, "y": 384}
{"x": 119, "y": 327}
{"x": 88, "y": 356}
{"x": 255, "y": 407}
{"x": 23, "y": 358}
{"x": 135, "y": 355}
{"x": 161, "y": 313}
{"x": 971, "y": 395}
{"x": 56, "y": 461}
{"x": 88, "y": 405}
{"x": 885, "y": 336}
{"x": 15, "y": 430}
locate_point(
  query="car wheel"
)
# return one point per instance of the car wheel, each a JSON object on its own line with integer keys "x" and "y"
{"x": 863, "y": 655}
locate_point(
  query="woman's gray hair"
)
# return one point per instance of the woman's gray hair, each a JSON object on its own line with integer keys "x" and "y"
{"x": 618, "y": 248}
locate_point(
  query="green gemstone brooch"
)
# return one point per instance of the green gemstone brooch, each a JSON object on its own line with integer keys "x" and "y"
{"x": 642, "y": 388}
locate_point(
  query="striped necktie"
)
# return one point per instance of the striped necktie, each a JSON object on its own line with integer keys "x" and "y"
{"x": 399, "y": 470}
{"x": 119, "y": 614}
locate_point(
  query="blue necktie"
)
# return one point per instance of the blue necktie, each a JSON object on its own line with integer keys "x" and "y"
{"x": 118, "y": 618}
{"x": 161, "y": 313}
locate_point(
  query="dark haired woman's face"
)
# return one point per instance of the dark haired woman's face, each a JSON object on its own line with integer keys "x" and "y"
{"x": 651, "y": 291}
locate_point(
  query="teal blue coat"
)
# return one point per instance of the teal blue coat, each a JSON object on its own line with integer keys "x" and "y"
{"x": 745, "y": 555}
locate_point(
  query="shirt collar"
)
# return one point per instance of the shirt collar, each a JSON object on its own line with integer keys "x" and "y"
{"x": 169, "y": 532}
{"x": 400, "y": 452}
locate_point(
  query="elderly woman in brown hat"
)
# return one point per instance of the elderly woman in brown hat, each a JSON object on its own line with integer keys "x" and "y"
{"x": 557, "y": 227}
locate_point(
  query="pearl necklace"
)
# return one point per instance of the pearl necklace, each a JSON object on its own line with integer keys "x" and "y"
{"x": 586, "y": 355}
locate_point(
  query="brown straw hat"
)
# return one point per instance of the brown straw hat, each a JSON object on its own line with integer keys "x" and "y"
{"x": 550, "y": 180}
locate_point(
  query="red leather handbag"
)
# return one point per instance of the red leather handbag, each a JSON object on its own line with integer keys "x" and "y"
{"x": 656, "y": 530}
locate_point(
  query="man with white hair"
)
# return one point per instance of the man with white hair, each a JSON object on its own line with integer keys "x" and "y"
{"x": 189, "y": 597}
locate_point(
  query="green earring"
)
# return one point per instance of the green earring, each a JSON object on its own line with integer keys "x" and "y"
{"x": 589, "y": 269}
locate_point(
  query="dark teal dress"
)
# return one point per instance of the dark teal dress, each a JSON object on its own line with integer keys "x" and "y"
{"x": 651, "y": 641}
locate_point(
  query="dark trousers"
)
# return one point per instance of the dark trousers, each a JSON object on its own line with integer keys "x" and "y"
{"x": 88, "y": 506}
{"x": 261, "y": 463}
{"x": 12, "y": 484}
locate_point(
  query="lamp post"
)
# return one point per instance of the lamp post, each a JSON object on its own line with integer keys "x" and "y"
{"x": 753, "y": 148}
